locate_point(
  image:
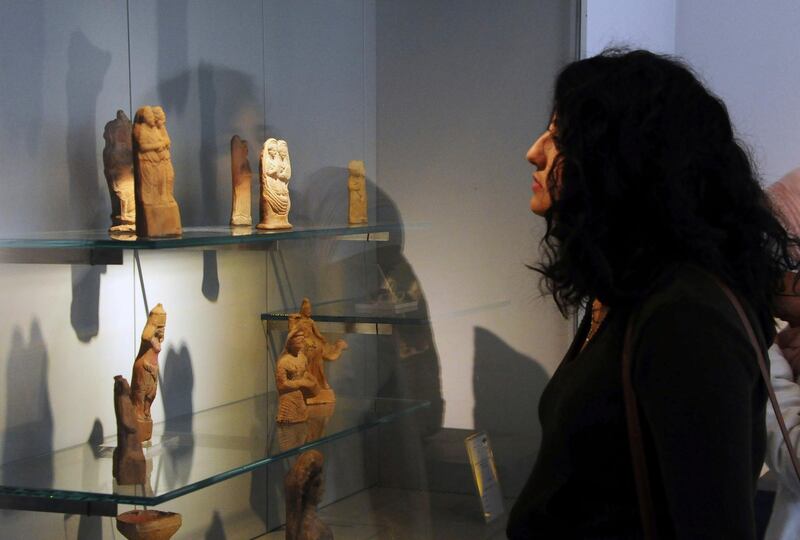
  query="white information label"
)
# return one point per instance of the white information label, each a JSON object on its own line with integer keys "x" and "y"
{"x": 484, "y": 471}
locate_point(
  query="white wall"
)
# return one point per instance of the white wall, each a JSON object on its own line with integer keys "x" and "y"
{"x": 648, "y": 24}
{"x": 461, "y": 94}
{"x": 749, "y": 54}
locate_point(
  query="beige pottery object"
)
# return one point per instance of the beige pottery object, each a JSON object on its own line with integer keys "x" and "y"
{"x": 148, "y": 524}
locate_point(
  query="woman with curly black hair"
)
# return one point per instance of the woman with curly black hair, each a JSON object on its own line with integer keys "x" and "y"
{"x": 651, "y": 204}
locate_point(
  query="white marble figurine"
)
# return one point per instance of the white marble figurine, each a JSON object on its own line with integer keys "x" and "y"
{"x": 276, "y": 170}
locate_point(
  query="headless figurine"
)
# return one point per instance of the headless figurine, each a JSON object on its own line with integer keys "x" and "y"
{"x": 129, "y": 466}
{"x": 241, "y": 177}
{"x": 317, "y": 349}
{"x": 293, "y": 380}
{"x": 303, "y": 490}
{"x": 157, "y": 212}
{"x": 357, "y": 187}
{"x": 276, "y": 170}
{"x": 118, "y": 168}
{"x": 145, "y": 371}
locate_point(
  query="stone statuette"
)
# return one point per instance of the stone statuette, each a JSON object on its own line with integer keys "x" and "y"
{"x": 276, "y": 170}
{"x": 144, "y": 382}
{"x": 317, "y": 349}
{"x": 293, "y": 380}
{"x": 357, "y": 187}
{"x": 241, "y": 178}
{"x": 129, "y": 465}
{"x": 303, "y": 490}
{"x": 118, "y": 168}
{"x": 157, "y": 212}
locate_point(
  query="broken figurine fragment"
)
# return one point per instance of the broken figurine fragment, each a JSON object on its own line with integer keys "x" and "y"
{"x": 357, "y": 188}
{"x": 303, "y": 487}
{"x": 241, "y": 178}
{"x": 129, "y": 465}
{"x": 144, "y": 381}
{"x": 118, "y": 169}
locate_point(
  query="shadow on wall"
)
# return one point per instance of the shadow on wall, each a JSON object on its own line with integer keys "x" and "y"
{"x": 228, "y": 105}
{"x": 90, "y": 207}
{"x": 177, "y": 397}
{"x": 173, "y": 53}
{"x": 29, "y": 415}
{"x": 216, "y": 531}
{"x": 507, "y": 387}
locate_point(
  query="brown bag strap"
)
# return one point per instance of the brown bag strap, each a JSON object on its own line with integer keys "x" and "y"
{"x": 765, "y": 375}
{"x": 636, "y": 442}
{"x": 646, "y": 509}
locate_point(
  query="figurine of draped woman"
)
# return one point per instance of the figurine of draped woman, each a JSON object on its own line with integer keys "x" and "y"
{"x": 157, "y": 212}
{"x": 276, "y": 171}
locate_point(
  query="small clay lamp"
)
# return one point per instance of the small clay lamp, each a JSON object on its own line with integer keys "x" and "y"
{"x": 148, "y": 524}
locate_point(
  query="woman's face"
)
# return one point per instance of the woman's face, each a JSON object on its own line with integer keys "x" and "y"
{"x": 543, "y": 154}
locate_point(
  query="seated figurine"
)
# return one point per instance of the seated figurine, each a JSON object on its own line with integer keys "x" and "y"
{"x": 294, "y": 382}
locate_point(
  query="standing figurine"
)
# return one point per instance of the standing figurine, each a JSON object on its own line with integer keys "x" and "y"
{"x": 241, "y": 178}
{"x": 317, "y": 349}
{"x": 293, "y": 380}
{"x": 118, "y": 168}
{"x": 157, "y": 212}
{"x": 129, "y": 466}
{"x": 357, "y": 187}
{"x": 276, "y": 170}
{"x": 303, "y": 490}
{"x": 144, "y": 381}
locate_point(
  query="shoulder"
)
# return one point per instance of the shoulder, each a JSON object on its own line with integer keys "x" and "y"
{"x": 688, "y": 317}
{"x": 686, "y": 291}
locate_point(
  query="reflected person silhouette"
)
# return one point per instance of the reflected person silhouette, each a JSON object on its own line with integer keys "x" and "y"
{"x": 29, "y": 415}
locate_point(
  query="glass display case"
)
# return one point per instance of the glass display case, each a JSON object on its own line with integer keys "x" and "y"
{"x": 445, "y": 334}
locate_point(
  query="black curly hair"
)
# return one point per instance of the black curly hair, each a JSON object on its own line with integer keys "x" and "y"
{"x": 649, "y": 173}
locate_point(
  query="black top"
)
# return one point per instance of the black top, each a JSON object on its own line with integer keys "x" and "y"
{"x": 702, "y": 406}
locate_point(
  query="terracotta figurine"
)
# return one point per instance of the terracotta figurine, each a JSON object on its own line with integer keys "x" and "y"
{"x": 303, "y": 490}
{"x": 157, "y": 212}
{"x": 144, "y": 382}
{"x": 317, "y": 349}
{"x": 357, "y": 186}
{"x": 129, "y": 466}
{"x": 118, "y": 168}
{"x": 276, "y": 170}
{"x": 241, "y": 177}
{"x": 293, "y": 380}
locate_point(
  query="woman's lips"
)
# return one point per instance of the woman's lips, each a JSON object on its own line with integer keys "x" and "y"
{"x": 536, "y": 186}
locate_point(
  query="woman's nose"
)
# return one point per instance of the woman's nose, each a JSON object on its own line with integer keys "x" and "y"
{"x": 535, "y": 153}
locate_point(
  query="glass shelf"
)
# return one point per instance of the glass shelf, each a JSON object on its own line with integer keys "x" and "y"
{"x": 193, "y": 237}
{"x": 195, "y": 451}
{"x": 354, "y": 312}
